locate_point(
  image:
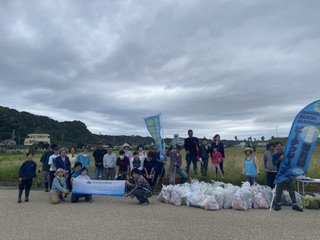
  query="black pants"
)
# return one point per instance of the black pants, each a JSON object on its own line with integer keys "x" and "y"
{"x": 271, "y": 176}
{"x": 26, "y": 183}
{"x": 204, "y": 167}
{"x": 75, "y": 197}
{"x": 157, "y": 173}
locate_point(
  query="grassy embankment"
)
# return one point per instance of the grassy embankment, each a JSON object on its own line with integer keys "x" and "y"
{"x": 11, "y": 161}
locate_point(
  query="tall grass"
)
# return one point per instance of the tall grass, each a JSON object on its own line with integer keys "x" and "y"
{"x": 10, "y": 163}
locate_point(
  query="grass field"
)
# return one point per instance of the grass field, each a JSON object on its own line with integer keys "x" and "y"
{"x": 10, "y": 162}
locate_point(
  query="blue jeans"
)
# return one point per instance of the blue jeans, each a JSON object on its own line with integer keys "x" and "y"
{"x": 99, "y": 170}
{"x": 179, "y": 171}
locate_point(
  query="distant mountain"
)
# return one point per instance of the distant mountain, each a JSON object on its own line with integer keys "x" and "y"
{"x": 68, "y": 133}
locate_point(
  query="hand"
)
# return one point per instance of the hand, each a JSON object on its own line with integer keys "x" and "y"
{"x": 68, "y": 191}
{"x": 20, "y": 179}
{"x": 126, "y": 195}
{"x": 200, "y": 159}
{"x": 281, "y": 157}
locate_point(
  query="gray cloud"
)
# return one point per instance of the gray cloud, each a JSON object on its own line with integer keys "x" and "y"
{"x": 238, "y": 69}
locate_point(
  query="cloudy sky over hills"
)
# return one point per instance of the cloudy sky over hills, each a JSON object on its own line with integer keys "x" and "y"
{"x": 237, "y": 68}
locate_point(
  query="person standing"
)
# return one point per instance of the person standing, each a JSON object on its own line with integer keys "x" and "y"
{"x": 159, "y": 165}
{"x": 277, "y": 159}
{"x": 216, "y": 159}
{"x": 123, "y": 166}
{"x": 250, "y": 166}
{"x": 63, "y": 162}
{"x": 27, "y": 173}
{"x": 220, "y": 147}
{"x": 175, "y": 165}
{"x": 271, "y": 170}
{"x": 204, "y": 152}
{"x": 52, "y": 163}
{"x": 84, "y": 158}
{"x": 109, "y": 163}
{"x": 72, "y": 155}
{"x": 191, "y": 145}
{"x": 126, "y": 149}
{"x": 148, "y": 168}
{"x": 45, "y": 167}
{"x": 98, "y": 154}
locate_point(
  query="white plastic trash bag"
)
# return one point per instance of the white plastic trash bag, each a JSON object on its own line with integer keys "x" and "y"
{"x": 242, "y": 199}
{"x": 209, "y": 203}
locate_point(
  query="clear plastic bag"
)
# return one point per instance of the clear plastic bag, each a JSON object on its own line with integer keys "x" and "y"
{"x": 209, "y": 203}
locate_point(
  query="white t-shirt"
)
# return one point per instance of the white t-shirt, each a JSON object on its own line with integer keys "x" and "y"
{"x": 50, "y": 162}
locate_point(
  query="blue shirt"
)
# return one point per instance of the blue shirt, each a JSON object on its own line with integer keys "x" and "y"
{"x": 249, "y": 167}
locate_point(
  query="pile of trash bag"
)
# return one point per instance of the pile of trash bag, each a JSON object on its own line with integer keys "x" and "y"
{"x": 217, "y": 195}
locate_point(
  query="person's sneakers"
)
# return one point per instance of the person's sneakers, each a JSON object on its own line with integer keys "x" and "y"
{"x": 145, "y": 203}
{"x": 277, "y": 207}
{"x": 297, "y": 208}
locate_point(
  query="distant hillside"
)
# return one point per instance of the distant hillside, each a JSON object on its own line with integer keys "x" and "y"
{"x": 66, "y": 133}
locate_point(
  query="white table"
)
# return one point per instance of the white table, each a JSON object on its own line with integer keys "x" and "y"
{"x": 305, "y": 182}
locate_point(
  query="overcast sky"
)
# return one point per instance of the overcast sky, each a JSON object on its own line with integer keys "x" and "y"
{"x": 237, "y": 68}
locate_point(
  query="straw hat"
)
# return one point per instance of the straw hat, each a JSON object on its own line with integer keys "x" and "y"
{"x": 125, "y": 145}
{"x": 248, "y": 149}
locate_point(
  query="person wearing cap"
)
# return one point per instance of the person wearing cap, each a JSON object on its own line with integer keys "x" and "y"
{"x": 59, "y": 187}
{"x": 62, "y": 161}
{"x": 250, "y": 166}
{"x": 271, "y": 170}
{"x": 27, "y": 173}
{"x": 45, "y": 167}
{"x": 84, "y": 158}
{"x": 98, "y": 154}
{"x": 191, "y": 145}
{"x": 127, "y": 152}
{"x": 52, "y": 163}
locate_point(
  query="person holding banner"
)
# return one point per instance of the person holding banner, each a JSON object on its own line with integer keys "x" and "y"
{"x": 140, "y": 188}
{"x": 277, "y": 159}
{"x": 191, "y": 145}
{"x": 83, "y": 175}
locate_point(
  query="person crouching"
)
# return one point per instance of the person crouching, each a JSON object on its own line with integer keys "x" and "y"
{"x": 140, "y": 188}
{"x": 88, "y": 197}
{"x": 59, "y": 187}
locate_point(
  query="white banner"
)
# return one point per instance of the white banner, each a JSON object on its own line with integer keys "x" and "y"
{"x": 99, "y": 187}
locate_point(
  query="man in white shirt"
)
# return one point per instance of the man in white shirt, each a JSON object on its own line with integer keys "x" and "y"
{"x": 51, "y": 162}
{"x": 109, "y": 162}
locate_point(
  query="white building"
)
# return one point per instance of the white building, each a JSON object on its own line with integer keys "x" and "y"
{"x": 36, "y": 138}
{"x": 177, "y": 140}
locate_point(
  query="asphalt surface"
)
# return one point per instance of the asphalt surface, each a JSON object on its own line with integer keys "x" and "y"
{"x": 123, "y": 218}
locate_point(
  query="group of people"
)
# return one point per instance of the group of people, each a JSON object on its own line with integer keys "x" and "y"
{"x": 141, "y": 171}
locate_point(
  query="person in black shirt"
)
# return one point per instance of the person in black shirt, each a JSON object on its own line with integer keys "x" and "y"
{"x": 27, "y": 173}
{"x": 159, "y": 166}
{"x": 98, "y": 157}
{"x": 204, "y": 152}
{"x": 45, "y": 166}
{"x": 148, "y": 168}
{"x": 191, "y": 145}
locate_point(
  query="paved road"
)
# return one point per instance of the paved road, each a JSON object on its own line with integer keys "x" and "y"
{"x": 123, "y": 218}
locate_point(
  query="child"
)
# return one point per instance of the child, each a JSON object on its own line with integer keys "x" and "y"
{"x": 135, "y": 161}
{"x": 27, "y": 173}
{"x": 140, "y": 189}
{"x": 175, "y": 165}
{"x": 250, "y": 166}
{"x": 148, "y": 168}
{"x": 88, "y": 197}
{"x": 204, "y": 151}
{"x": 216, "y": 160}
{"x": 59, "y": 187}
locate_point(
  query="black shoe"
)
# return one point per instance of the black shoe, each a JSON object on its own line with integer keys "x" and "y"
{"x": 297, "y": 208}
{"x": 277, "y": 207}
{"x": 145, "y": 203}
{"x": 19, "y": 201}
{"x": 26, "y": 200}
